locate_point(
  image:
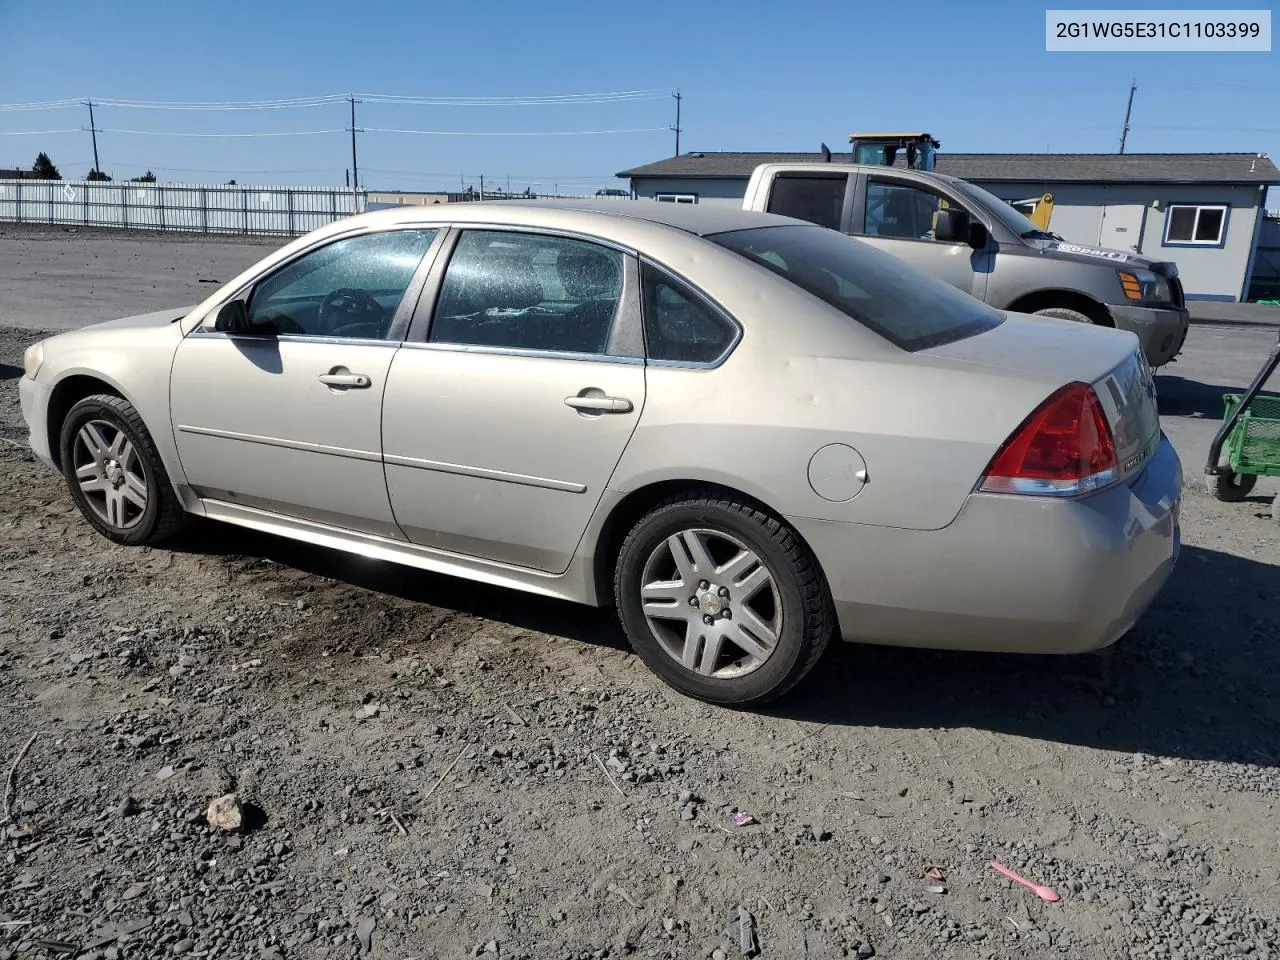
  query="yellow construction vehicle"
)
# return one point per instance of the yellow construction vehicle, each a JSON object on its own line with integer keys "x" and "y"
{"x": 1036, "y": 209}
{"x": 881, "y": 149}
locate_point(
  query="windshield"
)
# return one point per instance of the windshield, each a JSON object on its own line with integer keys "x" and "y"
{"x": 1007, "y": 215}
{"x": 906, "y": 307}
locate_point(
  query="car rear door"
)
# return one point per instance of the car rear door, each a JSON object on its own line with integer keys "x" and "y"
{"x": 823, "y": 197}
{"x": 513, "y": 398}
{"x": 895, "y": 215}
{"x": 286, "y": 417}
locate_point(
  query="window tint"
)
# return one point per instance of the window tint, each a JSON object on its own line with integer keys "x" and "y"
{"x": 901, "y": 212}
{"x": 529, "y": 292}
{"x": 903, "y": 305}
{"x": 350, "y": 288}
{"x": 678, "y": 325}
{"x": 818, "y": 198}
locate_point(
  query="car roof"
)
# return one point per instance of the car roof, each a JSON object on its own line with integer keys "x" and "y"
{"x": 696, "y": 218}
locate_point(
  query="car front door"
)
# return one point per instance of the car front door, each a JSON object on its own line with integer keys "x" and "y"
{"x": 897, "y": 216}
{"x": 284, "y": 413}
{"x": 506, "y": 414}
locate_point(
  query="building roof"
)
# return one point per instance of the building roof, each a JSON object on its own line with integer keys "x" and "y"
{"x": 1019, "y": 167}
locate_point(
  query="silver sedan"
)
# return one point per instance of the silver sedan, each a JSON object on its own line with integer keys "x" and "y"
{"x": 748, "y": 433}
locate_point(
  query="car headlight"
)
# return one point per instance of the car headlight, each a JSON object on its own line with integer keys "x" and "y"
{"x": 1145, "y": 285}
{"x": 33, "y": 359}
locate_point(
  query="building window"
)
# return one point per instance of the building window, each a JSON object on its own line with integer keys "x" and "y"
{"x": 1195, "y": 225}
{"x": 676, "y": 197}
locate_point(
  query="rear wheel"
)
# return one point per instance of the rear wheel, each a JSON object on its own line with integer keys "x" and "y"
{"x": 721, "y": 600}
{"x": 115, "y": 474}
{"x": 1064, "y": 313}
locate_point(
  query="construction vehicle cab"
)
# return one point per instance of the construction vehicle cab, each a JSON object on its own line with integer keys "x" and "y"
{"x": 882, "y": 149}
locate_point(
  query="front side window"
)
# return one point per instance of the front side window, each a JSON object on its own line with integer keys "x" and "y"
{"x": 350, "y": 288}
{"x": 908, "y": 308}
{"x": 1195, "y": 225}
{"x": 526, "y": 291}
{"x": 678, "y": 325}
{"x": 901, "y": 212}
{"x": 818, "y": 198}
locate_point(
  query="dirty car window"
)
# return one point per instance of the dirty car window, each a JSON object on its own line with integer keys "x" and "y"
{"x": 906, "y": 307}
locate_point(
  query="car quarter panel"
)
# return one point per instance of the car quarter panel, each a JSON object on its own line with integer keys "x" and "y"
{"x": 1054, "y": 576}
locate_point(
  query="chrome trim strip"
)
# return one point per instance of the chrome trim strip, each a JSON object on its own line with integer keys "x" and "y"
{"x": 437, "y": 466}
{"x": 291, "y": 338}
{"x": 282, "y": 442}
{"x": 517, "y": 352}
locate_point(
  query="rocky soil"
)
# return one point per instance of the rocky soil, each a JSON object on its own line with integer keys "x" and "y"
{"x": 435, "y": 769}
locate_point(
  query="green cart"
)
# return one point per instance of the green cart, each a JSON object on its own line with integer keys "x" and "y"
{"x": 1247, "y": 445}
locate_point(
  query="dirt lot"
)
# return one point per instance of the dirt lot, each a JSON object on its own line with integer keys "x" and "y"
{"x": 441, "y": 770}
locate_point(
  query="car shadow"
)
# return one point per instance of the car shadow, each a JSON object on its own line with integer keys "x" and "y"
{"x": 1197, "y": 679}
{"x": 522, "y": 610}
{"x": 9, "y": 372}
{"x": 1180, "y": 397}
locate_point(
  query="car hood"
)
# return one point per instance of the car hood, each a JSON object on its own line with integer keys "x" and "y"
{"x": 1084, "y": 253}
{"x": 157, "y": 318}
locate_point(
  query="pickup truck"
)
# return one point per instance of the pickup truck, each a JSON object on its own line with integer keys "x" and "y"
{"x": 969, "y": 237}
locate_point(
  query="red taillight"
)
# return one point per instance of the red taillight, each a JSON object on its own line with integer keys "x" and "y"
{"x": 1064, "y": 448}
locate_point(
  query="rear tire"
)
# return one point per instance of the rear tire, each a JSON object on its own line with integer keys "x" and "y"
{"x": 1232, "y": 487}
{"x": 115, "y": 474}
{"x": 1064, "y": 313}
{"x": 763, "y": 613}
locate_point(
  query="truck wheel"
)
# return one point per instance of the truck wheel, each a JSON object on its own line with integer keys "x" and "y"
{"x": 1232, "y": 487}
{"x": 1064, "y": 313}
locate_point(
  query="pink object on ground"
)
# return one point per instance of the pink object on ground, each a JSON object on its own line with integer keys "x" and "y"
{"x": 1044, "y": 893}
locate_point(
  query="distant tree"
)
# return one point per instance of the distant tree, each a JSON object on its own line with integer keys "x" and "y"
{"x": 231, "y": 183}
{"x": 147, "y": 177}
{"x": 44, "y": 168}
{"x": 98, "y": 175}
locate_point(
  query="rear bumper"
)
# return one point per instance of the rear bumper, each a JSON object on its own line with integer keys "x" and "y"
{"x": 33, "y": 397}
{"x": 1162, "y": 331}
{"x": 1010, "y": 574}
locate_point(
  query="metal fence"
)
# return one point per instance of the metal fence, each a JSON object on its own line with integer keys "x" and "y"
{"x": 199, "y": 208}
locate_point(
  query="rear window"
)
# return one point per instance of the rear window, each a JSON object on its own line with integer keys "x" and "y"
{"x": 908, "y": 308}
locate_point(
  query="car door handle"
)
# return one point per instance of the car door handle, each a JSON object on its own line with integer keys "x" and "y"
{"x": 592, "y": 404}
{"x": 357, "y": 381}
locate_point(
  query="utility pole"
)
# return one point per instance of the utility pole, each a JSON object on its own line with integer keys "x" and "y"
{"x": 355, "y": 171}
{"x": 1124, "y": 134}
{"x": 93, "y": 131}
{"x": 482, "y": 186}
{"x": 676, "y": 128}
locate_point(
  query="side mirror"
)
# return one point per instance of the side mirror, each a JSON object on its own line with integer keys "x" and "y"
{"x": 951, "y": 226}
{"x": 232, "y": 317}
{"x": 978, "y": 235}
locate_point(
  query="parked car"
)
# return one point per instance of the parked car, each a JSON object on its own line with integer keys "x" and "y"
{"x": 967, "y": 236}
{"x": 746, "y": 432}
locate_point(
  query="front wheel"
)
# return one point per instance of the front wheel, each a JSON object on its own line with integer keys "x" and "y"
{"x": 722, "y": 600}
{"x": 1064, "y": 313}
{"x": 115, "y": 473}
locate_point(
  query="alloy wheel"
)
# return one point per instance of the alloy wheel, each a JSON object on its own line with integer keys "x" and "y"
{"x": 110, "y": 474}
{"x": 712, "y": 603}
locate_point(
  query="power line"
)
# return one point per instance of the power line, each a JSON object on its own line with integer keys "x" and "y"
{"x": 38, "y": 133}
{"x": 510, "y": 133}
{"x": 169, "y": 133}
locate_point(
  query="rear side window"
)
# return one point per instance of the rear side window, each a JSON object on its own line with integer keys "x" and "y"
{"x": 908, "y": 308}
{"x": 680, "y": 326}
{"x": 818, "y": 198}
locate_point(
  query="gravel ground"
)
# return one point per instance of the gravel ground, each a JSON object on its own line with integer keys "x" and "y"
{"x": 437, "y": 769}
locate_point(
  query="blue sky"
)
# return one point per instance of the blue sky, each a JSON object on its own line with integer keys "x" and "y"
{"x": 755, "y": 76}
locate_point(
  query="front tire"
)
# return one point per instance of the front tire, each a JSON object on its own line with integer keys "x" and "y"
{"x": 1064, "y": 313}
{"x": 722, "y": 600}
{"x": 115, "y": 474}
